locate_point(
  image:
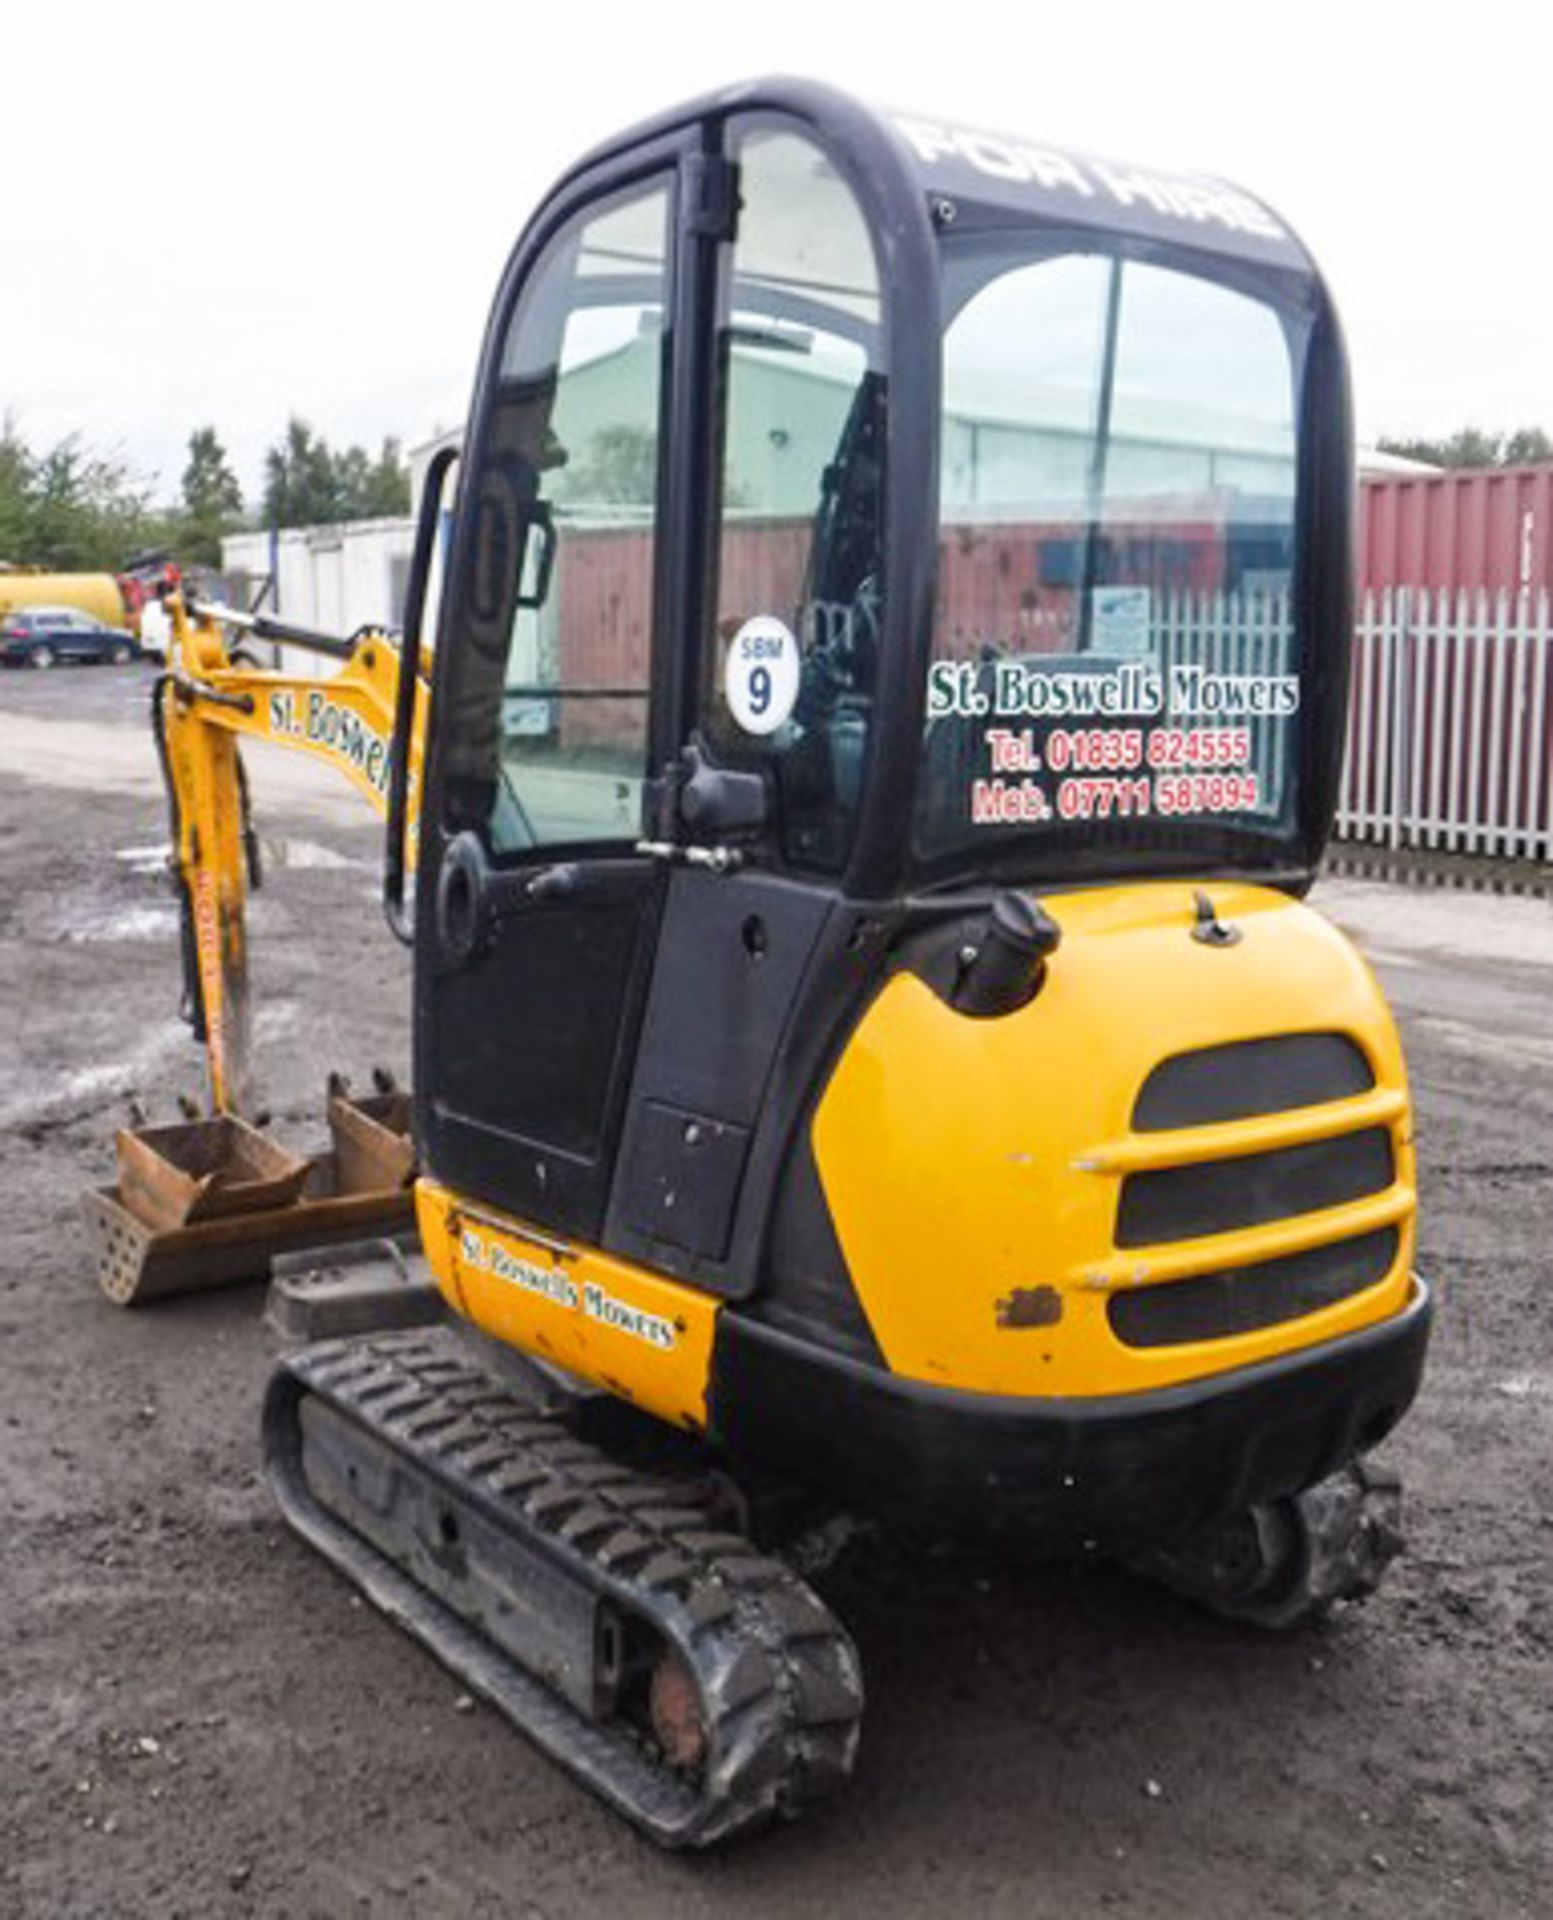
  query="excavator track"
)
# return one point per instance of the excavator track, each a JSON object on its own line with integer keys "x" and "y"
{"x": 1286, "y": 1563}
{"x": 694, "y": 1683}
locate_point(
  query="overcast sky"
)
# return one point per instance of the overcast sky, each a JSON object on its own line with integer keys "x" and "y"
{"x": 231, "y": 212}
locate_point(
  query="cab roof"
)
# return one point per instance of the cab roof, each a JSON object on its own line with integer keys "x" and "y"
{"x": 1028, "y": 177}
{"x": 1011, "y": 173}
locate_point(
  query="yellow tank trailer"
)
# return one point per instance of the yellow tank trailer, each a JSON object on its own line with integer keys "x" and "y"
{"x": 94, "y": 593}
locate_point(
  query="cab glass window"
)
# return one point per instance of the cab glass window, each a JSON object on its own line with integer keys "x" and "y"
{"x": 1114, "y": 659}
{"x": 548, "y": 744}
{"x": 789, "y": 676}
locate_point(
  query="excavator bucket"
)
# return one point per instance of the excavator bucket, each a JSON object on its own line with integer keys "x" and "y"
{"x": 211, "y": 1202}
{"x": 204, "y": 1170}
{"x": 373, "y": 1146}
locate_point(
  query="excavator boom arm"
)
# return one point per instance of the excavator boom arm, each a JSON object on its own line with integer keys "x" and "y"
{"x": 203, "y": 706}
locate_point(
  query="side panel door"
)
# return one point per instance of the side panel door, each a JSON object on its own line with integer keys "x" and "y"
{"x": 752, "y": 974}
{"x": 536, "y": 916}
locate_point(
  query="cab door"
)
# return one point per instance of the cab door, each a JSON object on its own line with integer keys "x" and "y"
{"x": 536, "y": 914}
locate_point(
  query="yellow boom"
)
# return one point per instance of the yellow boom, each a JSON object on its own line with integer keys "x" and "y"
{"x": 204, "y": 704}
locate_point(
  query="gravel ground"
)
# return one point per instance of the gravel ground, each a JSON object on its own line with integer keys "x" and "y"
{"x": 199, "y": 1718}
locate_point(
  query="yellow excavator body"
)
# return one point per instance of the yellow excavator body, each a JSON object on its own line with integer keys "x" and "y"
{"x": 873, "y": 1059}
{"x": 977, "y": 1209}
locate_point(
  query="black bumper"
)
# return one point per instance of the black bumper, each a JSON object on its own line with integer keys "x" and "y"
{"x": 1120, "y": 1472}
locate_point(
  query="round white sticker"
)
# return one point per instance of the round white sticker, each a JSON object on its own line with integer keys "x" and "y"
{"x": 760, "y": 674}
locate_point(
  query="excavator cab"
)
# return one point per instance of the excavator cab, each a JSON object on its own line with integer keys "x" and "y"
{"x": 882, "y": 553}
{"x": 886, "y": 704}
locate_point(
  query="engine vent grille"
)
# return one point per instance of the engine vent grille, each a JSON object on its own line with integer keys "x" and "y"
{"x": 1251, "y": 1077}
{"x": 1212, "y": 1306}
{"x": 1223, "y": 1196}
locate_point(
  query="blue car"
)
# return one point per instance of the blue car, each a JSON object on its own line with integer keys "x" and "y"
{"x": 43, "y": 636}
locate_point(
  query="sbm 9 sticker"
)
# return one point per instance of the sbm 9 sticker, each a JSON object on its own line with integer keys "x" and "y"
{"x": 760, "y": 674}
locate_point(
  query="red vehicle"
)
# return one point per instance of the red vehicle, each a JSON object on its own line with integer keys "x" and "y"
{"x": 146, "y": 577}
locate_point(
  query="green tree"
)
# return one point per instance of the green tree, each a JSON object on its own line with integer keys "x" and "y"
{"x": 1476, "y": 447}
{"x": 1525, "y": 447}
{"x": 301, "y": 483}
{"x": 15, "y": 494}
{"x": 74, "y": 510}
{"x": 372, "y": 489}
{"x": 308, "y": 483}
{"x": 212, "y": 499}
{"x": 385, "y": 492}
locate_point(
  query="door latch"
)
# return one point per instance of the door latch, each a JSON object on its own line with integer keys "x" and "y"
{"x": 713, "y": 859}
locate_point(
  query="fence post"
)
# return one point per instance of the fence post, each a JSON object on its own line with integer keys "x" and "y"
{"x": 1539, "y": 799}
{"x": 1396, "y": 800}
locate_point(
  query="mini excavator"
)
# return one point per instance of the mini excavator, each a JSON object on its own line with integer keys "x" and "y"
{"x": 871, "y": 1055}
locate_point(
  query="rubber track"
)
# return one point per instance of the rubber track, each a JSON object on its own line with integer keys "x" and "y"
{"x": 1338, "y": 1537}
{"x": 778, "y": 1677}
